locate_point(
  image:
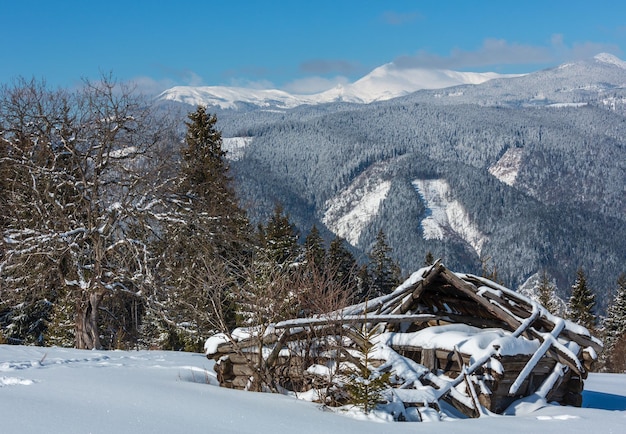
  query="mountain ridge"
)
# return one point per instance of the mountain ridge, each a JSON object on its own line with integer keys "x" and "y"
{"x": 384, "y": 82}
{"x": 530, "y": 172}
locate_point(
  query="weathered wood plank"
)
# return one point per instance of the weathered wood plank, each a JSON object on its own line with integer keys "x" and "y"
{"x": 429, "y": 359}
{"x": 357, "y": 319}
{"x": 469, "y": 290}
{"x": 242, "y": 370}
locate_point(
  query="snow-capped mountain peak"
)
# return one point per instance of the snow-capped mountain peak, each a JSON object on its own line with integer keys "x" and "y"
{"x": 227, "y": 97}
{"x": 383, "y": 83}
{"x": 610, "y": 59}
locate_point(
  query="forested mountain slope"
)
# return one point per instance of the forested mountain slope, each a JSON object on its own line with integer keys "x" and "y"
{"x": 522, "y": 174}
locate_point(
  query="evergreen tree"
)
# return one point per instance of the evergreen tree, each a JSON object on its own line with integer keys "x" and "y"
{"x": 207, "y": 239}
{"x": 615, "y": 323}
{"x": 582, "y": 302}
{"x": 207, "y": 186}
{"x": 546, "y": 293}
{"x": 279, "y": 238}
{"x": 314, "y": 250}
{"x": 342, "y": 263}
{"x": 61, "y": 322}
{"x": 268, "y": 290}
{"x": 384, "y": 270}
{"x": 429, "y": 259}
{"x": 364, "y": 383}
{"x": 364, "y": 283}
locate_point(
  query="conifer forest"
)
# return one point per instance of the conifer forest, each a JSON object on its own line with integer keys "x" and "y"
{"x": 128, "y": 223}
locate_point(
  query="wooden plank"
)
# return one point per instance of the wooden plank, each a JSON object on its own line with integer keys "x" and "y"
{"x": 243, "y": 358}
{"x": 242, "y": 370}
{"x": 469, "y": 290}
{"x": 469, "y": 386}
{"x": 241, "y": 382}
{"x": 358, "y": 319}
{"x": 277, "y": 347}
{"x": 429, "y": 359}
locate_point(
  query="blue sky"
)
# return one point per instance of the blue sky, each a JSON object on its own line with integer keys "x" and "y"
{"x": 299, "y": 46}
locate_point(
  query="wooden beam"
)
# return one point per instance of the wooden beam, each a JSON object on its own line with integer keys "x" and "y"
{"x": 358, "y": 319}
{"x": 469, "y": 290}
{"x": 427, "y": 279}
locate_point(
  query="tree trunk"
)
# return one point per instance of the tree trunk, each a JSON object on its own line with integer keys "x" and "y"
{"x": 87, "y": 336}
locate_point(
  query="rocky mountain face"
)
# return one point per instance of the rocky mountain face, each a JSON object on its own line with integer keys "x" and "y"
{"x": 515, "y": 174}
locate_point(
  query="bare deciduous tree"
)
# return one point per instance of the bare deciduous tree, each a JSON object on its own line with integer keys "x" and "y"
{"x": 80, "y": 195}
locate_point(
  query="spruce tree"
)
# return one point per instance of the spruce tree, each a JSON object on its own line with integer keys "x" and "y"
{"x": 207, "y": 185}
{"x": 615, "y": 323}
{"x": 364, "y": 383}
{"x": 546, "y": 293}
{"x": 364, "y": 283}
{"x": 279, "y": 238}
{"x": 582, "y": 302}
{"x": 429, "y": 259}
{"x": 342, "y": 263}
{"x": 384, "y": 270}
{"x": 207, "y": 238}
{"x": 60, "y": 330}
{"x": 268, "y": 290}
{"x": 314, "y": 250}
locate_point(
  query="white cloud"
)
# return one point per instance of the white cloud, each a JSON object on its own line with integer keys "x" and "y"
{"x": 330, "y": 66}
{"x": 314, "y": 84}
{"x": 190, "y": 78}
{"x": 149, "y": 86}
{"x": 499, "y": 52}
{"x": 251, "y": 84}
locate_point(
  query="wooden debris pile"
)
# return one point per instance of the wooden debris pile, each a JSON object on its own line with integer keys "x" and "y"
{"x": 450, "y": 337}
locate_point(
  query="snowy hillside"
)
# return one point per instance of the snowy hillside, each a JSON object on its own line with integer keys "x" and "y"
{"x": 572, "y": 84}
{"x": 446, "y": 217}
{"x": 610, "y": 59}
{"x": 235, "y": 147}
{"x": 55, "y": 390}
{"x": 383, "y": 83}
{"x": 507, "y": 167}
{"x": 353, "y": 209}
{"x": 510, "y": 150}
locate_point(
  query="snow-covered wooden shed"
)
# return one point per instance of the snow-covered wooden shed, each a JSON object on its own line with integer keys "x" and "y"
{"x": 443, "y": 336}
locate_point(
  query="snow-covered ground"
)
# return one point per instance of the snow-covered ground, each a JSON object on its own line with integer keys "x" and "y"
{"x": 235, "y": 146}
{"x": 507, "y": 167}
{"x": 58, "y": 390}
